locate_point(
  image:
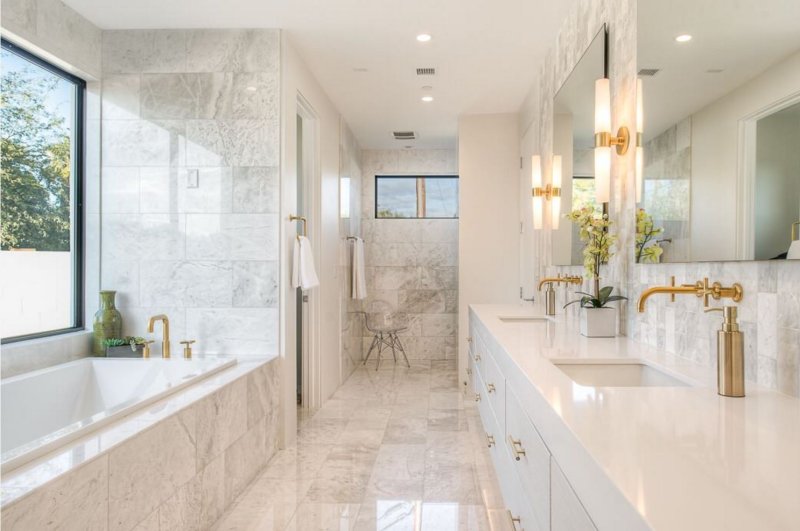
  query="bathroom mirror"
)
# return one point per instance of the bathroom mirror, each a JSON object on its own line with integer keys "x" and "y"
{"x": 720, "y": 107}
{"x": 573, "y": 141}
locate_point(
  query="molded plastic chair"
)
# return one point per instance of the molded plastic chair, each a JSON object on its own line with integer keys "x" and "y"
{"x": 385, "y": 323}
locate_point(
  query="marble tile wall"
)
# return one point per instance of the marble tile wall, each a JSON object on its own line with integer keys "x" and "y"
{"x": 181, "y": 473}
{"x": 178, "y": 103}
{"x": 771, "y": 306}
{"x": 350, "y": 168}
{"x": 413, "y": 264}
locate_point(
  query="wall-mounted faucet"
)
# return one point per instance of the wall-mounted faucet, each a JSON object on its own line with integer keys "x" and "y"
{"x": 550, "y": 292}
{"x": 165, "y": 328}
{"x": 730, "y": 340}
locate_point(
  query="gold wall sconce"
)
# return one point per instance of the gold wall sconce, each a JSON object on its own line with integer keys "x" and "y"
{"x": 604, "y": 140}
{"x": 550, "y": 192}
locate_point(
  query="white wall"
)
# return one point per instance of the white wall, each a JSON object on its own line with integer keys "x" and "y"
{"x": 715, "y": 149}
{"x": 324, "y": 305}
{"x": 777, "y": 200}
{"x": 488, "y": 254}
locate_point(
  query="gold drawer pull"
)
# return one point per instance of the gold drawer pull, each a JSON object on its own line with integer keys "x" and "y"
{"x": 469, "y": 339}
{"x": 469, "y": 372}
{"x": 516, "y": 447}
{"x": 514, "y": 520}
{"x": 478, "y": 358}
{"x": 477, "y": 397}
{"x": 489, "y": 440}
{"x": 490, "y": 388}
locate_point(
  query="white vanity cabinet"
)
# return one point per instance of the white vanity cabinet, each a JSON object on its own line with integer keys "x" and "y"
{"x": 535, "y": 491}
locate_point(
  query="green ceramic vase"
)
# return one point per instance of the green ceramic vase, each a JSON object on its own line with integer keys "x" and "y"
{"x": 107, "y": 323}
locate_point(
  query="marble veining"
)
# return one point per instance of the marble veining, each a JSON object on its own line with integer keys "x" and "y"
{"x": 397, "y": 448}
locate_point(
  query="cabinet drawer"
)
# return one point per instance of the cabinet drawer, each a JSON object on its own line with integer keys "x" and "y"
{"x": 531, "y": 458}
{"x": 495, "y": 386}
{"x": 488, "y": 417}
{"x": 568, "y": 513}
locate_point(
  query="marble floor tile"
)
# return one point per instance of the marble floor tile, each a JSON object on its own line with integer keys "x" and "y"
{"x": 395, "y": 449}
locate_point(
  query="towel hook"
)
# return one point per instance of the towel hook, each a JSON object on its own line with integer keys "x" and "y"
{"x": 292, "y": 217}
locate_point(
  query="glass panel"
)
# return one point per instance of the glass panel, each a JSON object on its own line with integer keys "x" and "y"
{"x": 396, "y": 197}
{"x": 37, "y": 229}
{"x": 441, "y": 197}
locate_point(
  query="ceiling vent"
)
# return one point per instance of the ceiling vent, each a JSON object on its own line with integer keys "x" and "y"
{"x": 404, "y": 135}
{"x": 649, "y": 72}
{"x": 428, "y": 71}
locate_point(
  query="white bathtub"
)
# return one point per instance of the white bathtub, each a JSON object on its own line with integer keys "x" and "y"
{"x": 44, "y": 409}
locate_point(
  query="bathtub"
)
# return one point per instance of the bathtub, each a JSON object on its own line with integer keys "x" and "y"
{"x": 45, "y": 409}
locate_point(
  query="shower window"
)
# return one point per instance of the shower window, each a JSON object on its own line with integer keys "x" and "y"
{"x": 41, "y": 119}
{"x": 415, "y": 197}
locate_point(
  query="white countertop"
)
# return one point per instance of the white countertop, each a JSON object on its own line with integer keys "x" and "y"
{"x": 683, "y": 458}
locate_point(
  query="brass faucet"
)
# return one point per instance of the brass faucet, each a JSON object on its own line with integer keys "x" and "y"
{"x": 550, "y": 293}
{"x": 165, "y": 339}
{"x": 701, "y": 288}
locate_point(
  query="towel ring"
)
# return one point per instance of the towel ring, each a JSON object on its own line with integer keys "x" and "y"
{"x": 292, "y": 217}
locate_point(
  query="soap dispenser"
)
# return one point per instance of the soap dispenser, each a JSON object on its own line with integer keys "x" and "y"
{"x": 550, "y": 299}
{"x": 730, "y": 354}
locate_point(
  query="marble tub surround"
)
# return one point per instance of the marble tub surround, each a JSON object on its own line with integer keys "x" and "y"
{"x": 674, "y": 450}
{"x": 413, "y": 263}
{"x": 394, "y": 448}
{"x": 178, "y": 104}
{"x": 178, "y": 464}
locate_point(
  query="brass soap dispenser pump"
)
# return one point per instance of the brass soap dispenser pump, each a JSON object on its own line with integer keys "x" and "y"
{"x": 730, "y": 354}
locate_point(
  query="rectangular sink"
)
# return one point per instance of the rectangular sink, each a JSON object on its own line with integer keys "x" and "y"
{"x": 523, "y": 319}
{"x": 624, "y": 373}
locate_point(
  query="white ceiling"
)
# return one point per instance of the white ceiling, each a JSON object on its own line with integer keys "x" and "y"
{"x": 740, "y": 37}
{"x": 486, "y": 53}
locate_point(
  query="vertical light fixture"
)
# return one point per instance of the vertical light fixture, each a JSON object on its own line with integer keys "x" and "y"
{"x": 536, "y": 187}
{"x": 555, "y": 193}
{"x": 603, "y": 140}
{"x": 639, "y": 142}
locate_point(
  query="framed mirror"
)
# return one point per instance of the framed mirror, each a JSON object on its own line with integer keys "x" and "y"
{"x": 720, "y": 121}
{"x": 573, "y": 141}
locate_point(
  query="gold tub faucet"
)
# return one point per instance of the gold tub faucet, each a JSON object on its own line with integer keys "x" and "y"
{"x": 165, "y": 338}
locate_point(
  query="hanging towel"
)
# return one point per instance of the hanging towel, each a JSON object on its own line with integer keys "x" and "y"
{"x": 359, "y": 274}
{"x": 303, "y": 274}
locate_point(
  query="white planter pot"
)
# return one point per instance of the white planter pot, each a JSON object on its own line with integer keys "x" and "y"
{"x": 599, "y": 322}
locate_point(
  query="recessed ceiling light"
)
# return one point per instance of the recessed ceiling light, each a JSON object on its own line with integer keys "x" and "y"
{"x": 251, "y": 88}
{"x": 427, "y": 99}
{"x": 424, "y": 37}
{"x": 683, "y": 38}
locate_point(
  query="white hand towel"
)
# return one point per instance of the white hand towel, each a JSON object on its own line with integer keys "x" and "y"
{"x": 303, "y": 273}
{"x": 359, "y": 272}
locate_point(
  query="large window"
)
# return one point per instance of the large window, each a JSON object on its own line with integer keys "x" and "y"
{"x": 416, "y": 197}
{"x": 41, "y": 127}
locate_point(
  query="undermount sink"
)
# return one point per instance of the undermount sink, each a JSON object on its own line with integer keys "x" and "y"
{"x": 622, "y": 373}
{"x": 523, "y": 319}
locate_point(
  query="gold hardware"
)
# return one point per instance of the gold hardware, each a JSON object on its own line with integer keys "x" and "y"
{"x": 516, "y": 447}
{"x": 548, "y": 192}
{"x": 621, "y": 141}
{"x": 303, "y": 220}
{"x": 701, "y": 288}
{"x": 478, "y": 358}
{"x": 165, "y": 339}
{"x": 558, "y": 280}
{"x": 469, "y": 339}
{"x": 795, "y": 230}
{"x": 146, "y": 349}
{"x": 187, "y": 348}
{"x": 514, "y": 520}
{"x": 477, "y": 397}
{"x": 730, "y": 354}
{"x": 490, "y": 388}
{"x": 469, "y": 371}
{"x": 489, "y": 440}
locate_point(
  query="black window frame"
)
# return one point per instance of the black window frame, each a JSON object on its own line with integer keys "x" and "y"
{"x": 415, "y": 177}
{"x": 78, "y": 262}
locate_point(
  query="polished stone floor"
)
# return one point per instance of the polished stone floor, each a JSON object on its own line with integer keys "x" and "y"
{"x": 395, "y": 449}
